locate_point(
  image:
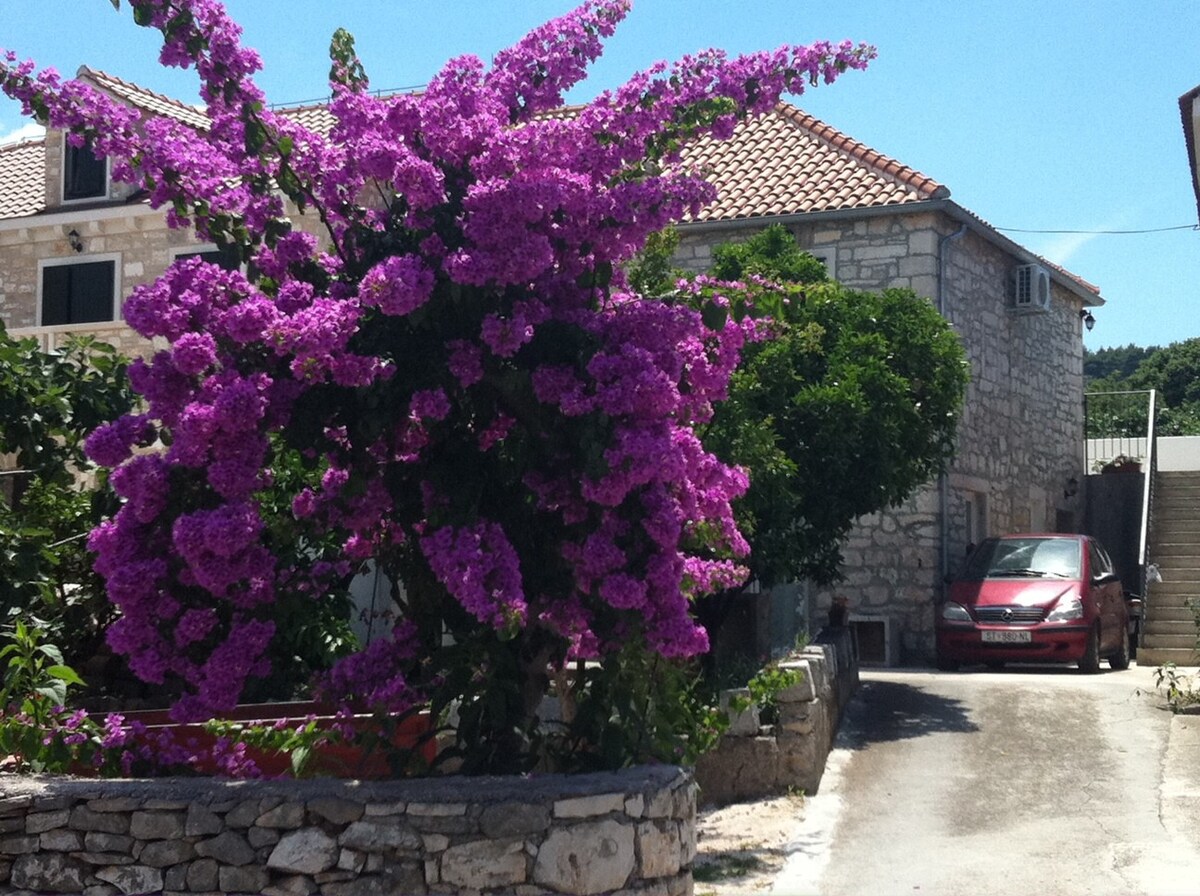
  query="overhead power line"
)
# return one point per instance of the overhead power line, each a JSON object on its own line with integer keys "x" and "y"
{"x": 1103, "y": 232}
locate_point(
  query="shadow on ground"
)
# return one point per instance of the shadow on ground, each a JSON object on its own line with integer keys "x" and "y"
{"x": 890, "y": 711}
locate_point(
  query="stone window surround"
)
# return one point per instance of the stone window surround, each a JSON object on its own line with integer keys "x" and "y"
{"x": 65, "y": 260}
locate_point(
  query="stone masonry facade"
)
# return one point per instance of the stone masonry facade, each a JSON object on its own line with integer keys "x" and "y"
{"x": 622, "y": 833}
{"x": 1020, "y": 436}
{"x": 753, "y": 760}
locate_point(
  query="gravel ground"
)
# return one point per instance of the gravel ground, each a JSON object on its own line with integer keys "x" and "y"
{"x": 742, "y": 847}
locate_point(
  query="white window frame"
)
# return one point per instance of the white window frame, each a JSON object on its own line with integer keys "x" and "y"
{"x": 114, "y": 257}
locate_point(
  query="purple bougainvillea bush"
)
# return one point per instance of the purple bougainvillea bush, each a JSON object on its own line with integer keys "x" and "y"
{"x": 451, "y": 379}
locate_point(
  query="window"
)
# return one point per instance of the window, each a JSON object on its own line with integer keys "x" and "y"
{"x": 84, "y": 175}
{"x": 976, "y": 517}
{"x": 78, "y": 292}
{"x": 227, "y": 257}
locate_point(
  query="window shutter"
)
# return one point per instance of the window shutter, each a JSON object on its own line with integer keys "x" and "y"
{"x": 92, "y": 292}
{"x": 84, "y": 175}
{"x": 56, "y": 295}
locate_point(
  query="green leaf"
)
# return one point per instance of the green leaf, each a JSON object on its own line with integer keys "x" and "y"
{"x": 65, "y": 673}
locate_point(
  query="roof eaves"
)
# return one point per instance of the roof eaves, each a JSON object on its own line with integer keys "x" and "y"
{"x": 1189, "y": 112}
{"x": 1087, "y": 292}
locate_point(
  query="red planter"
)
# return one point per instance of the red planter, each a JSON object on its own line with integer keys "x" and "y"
{"x": 414, "y": 732}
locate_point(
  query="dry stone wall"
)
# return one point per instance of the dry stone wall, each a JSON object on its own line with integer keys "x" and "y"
{"x": 753, "y": 761}
{"x": 629, "y": 832}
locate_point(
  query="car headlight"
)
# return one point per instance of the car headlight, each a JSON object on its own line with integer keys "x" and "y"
{"x": 953, "y": 612}
{"x": 1066, "y": 610}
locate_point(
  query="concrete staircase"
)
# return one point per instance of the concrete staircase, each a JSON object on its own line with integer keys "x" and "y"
{"x": 1169, "y": 631}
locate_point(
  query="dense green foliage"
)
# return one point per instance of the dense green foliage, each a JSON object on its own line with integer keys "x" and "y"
{"x": 52, "y": 497}
{"x": 1173, "y": 371}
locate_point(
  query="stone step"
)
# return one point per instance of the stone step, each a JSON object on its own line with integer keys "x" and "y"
{"x": 1178, "y": 477}
{"x": 1161, "y": 612}
{"x": 1177, "y": 570}
{"x": 1157, "y": 656}
{"x": 1166, "y": 510}
{"x": 1176, "y": 603}
{"x": 1172, "y": 642}
{"x": 1181, "y": 548}
{"x": 1173, "y": 496}
{"x": 1174, "y": 514}
{"x": 1155, "y": 626}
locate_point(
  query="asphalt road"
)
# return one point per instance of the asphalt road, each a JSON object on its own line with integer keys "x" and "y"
{"x": 1027, "y": 781}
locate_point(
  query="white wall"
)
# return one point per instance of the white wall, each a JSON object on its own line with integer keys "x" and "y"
{"x": 1176, "y": 453}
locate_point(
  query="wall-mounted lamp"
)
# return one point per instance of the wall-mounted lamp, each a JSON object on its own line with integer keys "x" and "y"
{"x": 1071, "y": 489}
{"x": 75, "y": 239}
{"x": 1088, "y": 320}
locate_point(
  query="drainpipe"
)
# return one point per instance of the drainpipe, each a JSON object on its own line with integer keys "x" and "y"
{"x": 943, "y": 479}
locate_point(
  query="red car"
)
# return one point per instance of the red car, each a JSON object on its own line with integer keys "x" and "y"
{"x": 1035, "y": 599}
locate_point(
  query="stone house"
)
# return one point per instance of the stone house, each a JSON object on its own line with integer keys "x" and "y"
{"x": 877, "y": 223}
{"x": 73, "y": 245}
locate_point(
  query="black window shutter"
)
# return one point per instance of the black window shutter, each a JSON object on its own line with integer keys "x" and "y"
{"x": 92, "y": 292}
{"x": 85, "y": 176}
{"x": 56, "y": 295}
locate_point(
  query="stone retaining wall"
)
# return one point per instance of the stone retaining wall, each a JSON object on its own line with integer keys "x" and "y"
{"x": 616, "y": 832}
{"x": 752, "y": 761}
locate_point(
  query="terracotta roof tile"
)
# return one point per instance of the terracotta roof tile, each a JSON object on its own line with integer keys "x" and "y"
{"x": 22, "y": 178}
{"x": 782, "y": 163}
{"x": 146, "y": 100}
{"x": 787, "y": 162}
{"x": 316, "y": 117}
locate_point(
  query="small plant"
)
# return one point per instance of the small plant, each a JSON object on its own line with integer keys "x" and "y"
{"x": 728, "y": 866}
{"x": 35, "y": 677}
{"x": 1182, "y": 690}
{"x": 1119, "y": 464}
{"x": 765, "y": 687}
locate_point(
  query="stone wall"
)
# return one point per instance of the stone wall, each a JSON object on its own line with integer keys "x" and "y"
{"x": 618, "y": 832}
{"x": 1020, "y": 436}
{"x": 753, "y": 761}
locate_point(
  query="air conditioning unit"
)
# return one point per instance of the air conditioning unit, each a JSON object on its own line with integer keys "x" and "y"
{"x": 1032, "y": 288}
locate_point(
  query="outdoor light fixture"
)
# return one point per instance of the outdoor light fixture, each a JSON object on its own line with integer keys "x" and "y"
{"x": 1088, "y": 320}
{"x": 75, "y": 239}
{"x": 1071, "y": 489}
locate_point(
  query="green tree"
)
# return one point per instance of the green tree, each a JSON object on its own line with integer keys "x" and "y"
{"x": 52, "y": 496}
{"x": 1172, "y": 371}
{"x": 848, "y": 407}
{"x": 1119, "y": 363}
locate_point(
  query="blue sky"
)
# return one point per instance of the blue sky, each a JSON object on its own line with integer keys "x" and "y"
{"x": 1040, "y": 115}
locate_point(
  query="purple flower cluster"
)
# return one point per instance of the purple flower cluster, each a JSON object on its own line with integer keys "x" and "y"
{"x": 480, "y": 397}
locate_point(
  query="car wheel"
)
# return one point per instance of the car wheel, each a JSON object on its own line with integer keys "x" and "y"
{"x": 1120, "y": 660}
{"x": 1089, "y": 663}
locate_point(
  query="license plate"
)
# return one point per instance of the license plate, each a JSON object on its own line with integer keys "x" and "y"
{"x": 1007, "y": 637}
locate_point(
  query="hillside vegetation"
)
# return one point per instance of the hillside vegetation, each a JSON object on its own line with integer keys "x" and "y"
{"x": 1173, "y": 371}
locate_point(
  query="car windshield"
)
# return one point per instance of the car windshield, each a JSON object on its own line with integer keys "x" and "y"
{"x": 1025, "y": 557}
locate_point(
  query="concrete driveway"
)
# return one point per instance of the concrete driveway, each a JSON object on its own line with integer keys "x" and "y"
{"x": 1025, "y": 781}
